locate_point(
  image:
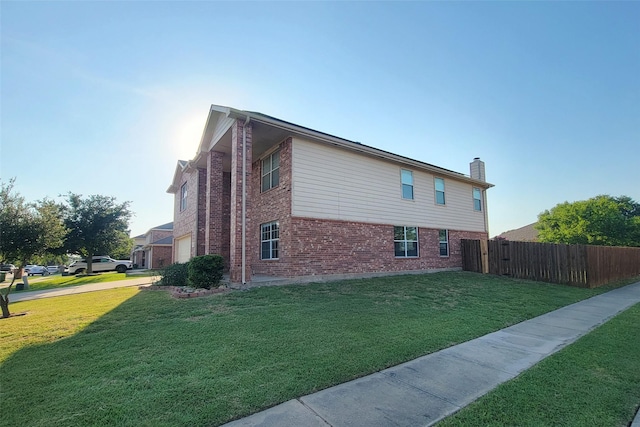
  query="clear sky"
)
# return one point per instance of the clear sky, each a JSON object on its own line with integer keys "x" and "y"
{"x": 105, "y": 97}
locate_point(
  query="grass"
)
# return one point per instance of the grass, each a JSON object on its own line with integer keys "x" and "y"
{"x": 594, "y": 382}
{"x": 59, "y": 281}
{"x": 125, "y": 357}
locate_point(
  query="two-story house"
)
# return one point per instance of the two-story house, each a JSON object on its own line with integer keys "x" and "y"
{"x": 154, "y": 249}
{"x": 275, "y": 198}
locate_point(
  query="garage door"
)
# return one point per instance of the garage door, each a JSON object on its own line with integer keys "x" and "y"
{"x": 183, "y": 249}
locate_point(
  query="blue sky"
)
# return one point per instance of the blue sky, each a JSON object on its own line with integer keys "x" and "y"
{"x": 105, "y": 97}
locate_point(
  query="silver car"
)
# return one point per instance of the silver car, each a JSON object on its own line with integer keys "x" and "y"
{"x": 32, "y": 270}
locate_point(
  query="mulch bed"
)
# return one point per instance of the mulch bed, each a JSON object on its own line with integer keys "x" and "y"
{"x": 185, "y": 292}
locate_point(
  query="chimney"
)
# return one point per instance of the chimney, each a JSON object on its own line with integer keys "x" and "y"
{"x": 477, "y": 169}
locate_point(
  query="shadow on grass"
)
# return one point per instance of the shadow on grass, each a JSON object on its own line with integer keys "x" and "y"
{"x": 155, "y": 360}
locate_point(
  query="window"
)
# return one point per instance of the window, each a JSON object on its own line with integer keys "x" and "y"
{"x": 183, "y": 197}
{"x": 270, "y": 235}
{"x": 405, "y": 241}
{"x": 439, "y": 191}
{"x": 477, "y": 199}
{"x": 271, "y": 171}
{"x": 407, "y": 184}
{"x": 444, "y": 242}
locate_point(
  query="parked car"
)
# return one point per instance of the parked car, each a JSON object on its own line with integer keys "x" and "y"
{"x": 8, "y": 268}
{"x": 100, "y": 264}
{"x": 36, "y": 269}
{"x": 53, "y": 269}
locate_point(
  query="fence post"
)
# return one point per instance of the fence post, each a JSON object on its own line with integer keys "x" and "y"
{"x": 484, "y": 255}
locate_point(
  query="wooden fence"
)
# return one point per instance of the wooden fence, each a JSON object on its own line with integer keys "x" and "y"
{"x": 576, "y": 265}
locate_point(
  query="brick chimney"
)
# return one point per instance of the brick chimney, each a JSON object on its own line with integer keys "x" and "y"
{"x": 477, "y": 169}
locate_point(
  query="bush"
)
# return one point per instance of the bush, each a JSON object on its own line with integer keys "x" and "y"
{"x": 205, "y": 271}
{"x": 174, "y": 275}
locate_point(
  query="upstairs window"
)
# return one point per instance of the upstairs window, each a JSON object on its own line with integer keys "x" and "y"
{"x": 183, "y": 197}
{"x": 270, "y": 236}
{"x": 439, "y": 183}
{"x": 407, "y": 184}
{"x": 271, "y": 171}
{"x": 444, "y": 243}
{"x": 477, "y": 199}
{"x": 405, "y": 241}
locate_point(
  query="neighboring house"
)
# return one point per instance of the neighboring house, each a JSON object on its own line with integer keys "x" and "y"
{"x": 154, "y": 249}
{"x": 528, "y": 233}
{"x": 316, "y": 204}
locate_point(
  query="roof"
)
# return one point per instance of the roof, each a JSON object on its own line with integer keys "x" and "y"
{"x": 528, "y": 233}
{"x": 220, "y": 120}
{"x": 167, "y": 226}
{"x": 165, "y": 241}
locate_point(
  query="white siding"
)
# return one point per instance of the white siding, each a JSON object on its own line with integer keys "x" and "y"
{"x": 222, "y": 126}
{"x": 332, "y": 183}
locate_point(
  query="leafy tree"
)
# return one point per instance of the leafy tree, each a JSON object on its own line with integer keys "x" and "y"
{"x": 601, "y": 220}
{"x": 27, "y": 230}
{"x": 123, "y": 247}
{"x": 96, "y": 225}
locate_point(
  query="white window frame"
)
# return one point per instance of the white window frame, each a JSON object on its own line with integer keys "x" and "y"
{"x": 444, "y": 242}
{"x": 271, "y": 237}
{"x": 405, "y": 241}
{"x": 183, "y": 196}
{"x": 477, "y": 201}
{"x": 406, "y": 183}
{"x": 267, "y": 175}
{"x": 435, "y": 186}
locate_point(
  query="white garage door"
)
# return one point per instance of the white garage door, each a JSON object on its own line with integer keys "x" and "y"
{"x": 183, "y": 249}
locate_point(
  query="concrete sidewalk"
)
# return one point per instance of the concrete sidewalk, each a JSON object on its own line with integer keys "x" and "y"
{"x": 71, "y": 290}
{"x": 426, "y": 390}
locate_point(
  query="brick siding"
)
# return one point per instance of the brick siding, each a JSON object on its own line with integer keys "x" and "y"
{"x": 186, "y": 222}
{"x": 235, "y": 219}
{"x": 272, "y": 205}
{"x": 319, "y": 247}
{"x": 162, "y": 256}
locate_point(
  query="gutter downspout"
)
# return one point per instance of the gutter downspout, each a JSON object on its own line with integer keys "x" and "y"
{"x": 244, "y": 199}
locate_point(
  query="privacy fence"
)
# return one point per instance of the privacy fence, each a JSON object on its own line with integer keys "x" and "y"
{"x": 575, "y": 265}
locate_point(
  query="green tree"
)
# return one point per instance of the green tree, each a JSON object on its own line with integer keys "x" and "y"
{"x": 27, "y": 230}
{"x": 96, "y": 225}
{"x": 601, "y": 220}
{"x": 123, "y": 247}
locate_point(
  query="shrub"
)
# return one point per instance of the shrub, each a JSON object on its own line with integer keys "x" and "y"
{"x": 205, "y": 271}
{"x": 174, "y": 275}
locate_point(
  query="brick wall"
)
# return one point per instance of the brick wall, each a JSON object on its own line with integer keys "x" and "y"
{"x": 185, "y": 222}
{"x": 162, "y": 256}
{"x": 235, "y": 218}
{"x": 155, "y": 235}
{"x": 225, "y": 236}
{"x": 272, "y": 205}
{"x": 202, "y": 213}
{"x": 318, "y": 247}
{"x": 215, "y": 204}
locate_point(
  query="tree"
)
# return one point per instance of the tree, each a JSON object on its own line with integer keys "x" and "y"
{"x": 601, "y": 220}
{"x": 96, "y": 225}
{"x": 26, "y": 230}
{"x": 123, "y": 246}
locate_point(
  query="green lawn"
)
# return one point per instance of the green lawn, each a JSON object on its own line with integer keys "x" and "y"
{"x": 59, "y": 281}
{"x": 129, "y": 357}
{"x": 594, "y": 382}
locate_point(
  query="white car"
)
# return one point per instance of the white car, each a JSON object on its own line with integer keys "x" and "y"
{"x": 36, "y": 269}
{"x": 100, "y": 264}
{"x": 53, "y": 269}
